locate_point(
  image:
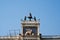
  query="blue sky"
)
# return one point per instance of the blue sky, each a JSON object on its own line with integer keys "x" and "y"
{"x": 12, "y": 11}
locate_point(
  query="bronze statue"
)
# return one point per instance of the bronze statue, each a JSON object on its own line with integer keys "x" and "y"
{"x": 25, "y": 18}
{"x": 34, "y": 18}
{"x": 30, "y": 17}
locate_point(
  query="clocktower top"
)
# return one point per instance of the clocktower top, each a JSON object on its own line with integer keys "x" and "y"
{"x": 30, "y": 26}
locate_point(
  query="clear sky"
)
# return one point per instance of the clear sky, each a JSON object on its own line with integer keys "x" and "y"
{"x": 12, "y": 11}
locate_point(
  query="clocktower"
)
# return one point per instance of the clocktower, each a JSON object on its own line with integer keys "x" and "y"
{"x": 30, "y": 28}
